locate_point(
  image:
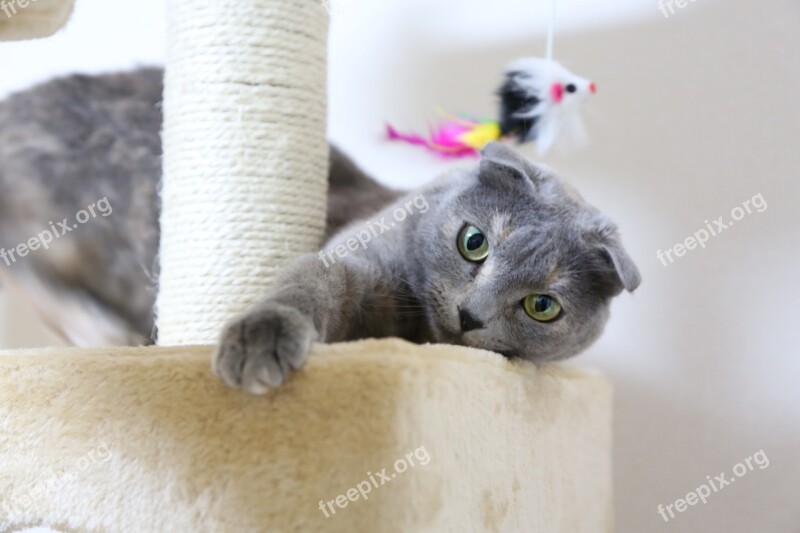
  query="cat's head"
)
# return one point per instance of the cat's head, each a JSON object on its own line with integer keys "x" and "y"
{"x": 515, "y": 262}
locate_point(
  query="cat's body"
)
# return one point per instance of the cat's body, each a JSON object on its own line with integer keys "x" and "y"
{"x": 503, "y": 257}
{"x": 69, "y": 143}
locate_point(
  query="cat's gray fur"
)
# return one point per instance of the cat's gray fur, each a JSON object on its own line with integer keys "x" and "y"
{"x": 73, "y": 141}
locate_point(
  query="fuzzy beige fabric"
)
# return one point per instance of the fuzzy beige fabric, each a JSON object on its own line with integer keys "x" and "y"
{"x": 32, "y": 19}
{"x": 148, "y": 440}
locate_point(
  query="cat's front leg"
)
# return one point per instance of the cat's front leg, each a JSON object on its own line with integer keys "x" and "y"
{"x": 313, "y": 303}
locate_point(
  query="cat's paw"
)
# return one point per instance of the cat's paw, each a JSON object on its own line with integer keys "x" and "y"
{"x": 258, "y": 350}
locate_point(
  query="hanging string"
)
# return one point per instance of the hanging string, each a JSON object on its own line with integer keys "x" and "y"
{"x": 551, "y": 30}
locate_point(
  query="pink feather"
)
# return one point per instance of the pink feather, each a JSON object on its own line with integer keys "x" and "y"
{"x": 445, "y": 141}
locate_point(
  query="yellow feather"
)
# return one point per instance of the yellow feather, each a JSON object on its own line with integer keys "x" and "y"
{"x": 481, "y": 135}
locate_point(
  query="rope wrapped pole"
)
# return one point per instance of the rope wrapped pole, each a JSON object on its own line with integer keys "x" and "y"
{"x": 245, "y": 155}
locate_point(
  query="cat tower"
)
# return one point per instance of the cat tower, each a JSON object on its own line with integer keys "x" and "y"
{"x": 147, "y": 439}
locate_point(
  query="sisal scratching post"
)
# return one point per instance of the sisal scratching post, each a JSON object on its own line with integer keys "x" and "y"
{"x": 245, "y": 155}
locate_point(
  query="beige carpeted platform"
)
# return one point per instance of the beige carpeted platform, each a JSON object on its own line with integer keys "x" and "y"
{"x": 148, "y": 440}
{"x": 31, "y": 19}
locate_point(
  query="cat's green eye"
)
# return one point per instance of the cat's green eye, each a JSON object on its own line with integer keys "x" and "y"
{"x": 473, "y": 244}
{"x": 541, "y": 307}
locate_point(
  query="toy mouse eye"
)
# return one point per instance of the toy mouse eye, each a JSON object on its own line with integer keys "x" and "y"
{"x": 571, "y": 88}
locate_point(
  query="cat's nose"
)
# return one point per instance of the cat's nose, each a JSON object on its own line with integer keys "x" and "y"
{"x": 468, "y": 322}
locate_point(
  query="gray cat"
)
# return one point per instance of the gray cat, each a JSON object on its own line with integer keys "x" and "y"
{"x": 503, "y": 257}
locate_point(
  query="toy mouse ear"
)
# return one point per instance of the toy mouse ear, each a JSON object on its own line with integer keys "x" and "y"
{"x": 500, "y": 164}
{"x": 557, "y": 92}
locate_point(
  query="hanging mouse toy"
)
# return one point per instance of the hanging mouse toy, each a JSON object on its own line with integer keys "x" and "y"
{"x": 540, "y": 101}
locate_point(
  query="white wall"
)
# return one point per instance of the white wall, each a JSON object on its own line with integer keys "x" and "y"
{"x": 694, "y": 115}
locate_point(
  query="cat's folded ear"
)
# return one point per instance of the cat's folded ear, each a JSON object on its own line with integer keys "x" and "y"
{"x": 616, "y": 268}
{"x": 623, "y": 265}
{"x": 500, "y": 165}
